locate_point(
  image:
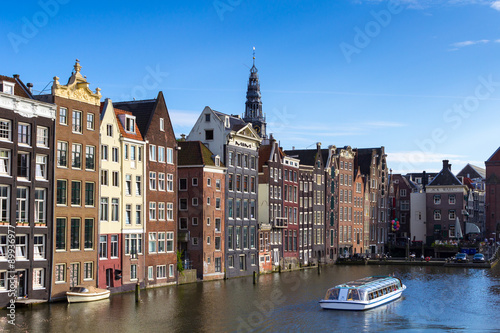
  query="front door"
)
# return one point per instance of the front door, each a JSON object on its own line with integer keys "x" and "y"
{"x": 21, "y": 283}
{"x": 74, "y": 270}
{"x": 109, "y": 277}
{"x": 276, "y": 256}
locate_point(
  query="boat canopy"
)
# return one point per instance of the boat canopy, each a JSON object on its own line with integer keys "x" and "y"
{"x": 371, "y": 283}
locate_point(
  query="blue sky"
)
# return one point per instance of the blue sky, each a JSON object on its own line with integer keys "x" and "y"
{"x": 418, "y": 77}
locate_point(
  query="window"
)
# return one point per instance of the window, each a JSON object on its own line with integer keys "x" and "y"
{"x": 115, "y": 179}
{"x": 76, "y": 156}
{"x": 40, "y": 210}
{"x": 60, "y": 234}
{"x": 170, "y": 211}
{"x": 125, "y": 152}
{"x": 161, "y": 211}
{"x": 90, "y": 158}
{"x": 5, "y": 162}
{"x": 114, "y": 154}
{"x": 138, "y": 185}
{"x": 151, "y": 273}
{"x": 152, "y": 152}
{"x": 183, "y": 184}
{"x": 437, "y": 214}
{"x": 41, "y": 167}
{"x": 252, "y": 237}
{"x": 138, "y": 214}
{"x": 242, "y": 263}
{"x": 209, "y": 134}
{"x": 217, "y": 203}
{"x": 114, "y": 246}
{"x": 24, "y": 134}
{"x": 62, "y": 154}
{"x": 152, "y": 210}
{"x": 76, "y": 193}
{"x": 170, "y": 182}
{"x": 75, "y": 234}
{"x": 38, "y": 278}
{"x": 5, "y": 130}
{"x": 161, "y": 272}
{"x": 132, "y": 154}
{"x": 104, "y": 209}
{"x": 402, "y": 193}
{"x": 161, "y": 181}
{"x": 42, "y": 136}
{"x": 194, "y": 182}
{"x": 39, "y": 247}
{"x": 23, "y": 165}
{"x": 63, "y": 116}
{"x": 104, "y": 178}
{"x": 133, "y": 272}
{"x": 207, "y": 117}
{"x": 88, "y": 236}
{"x": 183, "y": 223}
{"x": 89, "y": 194}
{"x": 161, "y": 242}
{"x": 133, "y": 244}
{"x": 437, "y": 199}
{"x": 170, "y": 241}
{"x": 194, "y": 201}
{"x": 128, "y": 214}
{"x": 170, "y": 156}
{"x": 208, "y": 240}
{"x": 130, "y": 124}
{"x": 162, "y": 124}
{"x": 88, "y": 270}
{"x": 21, "y": 247}
{"x": 4, "y": 203}
{"x": 152, "y": 181}
{"x": 451, "y": 199}
{"x": 161, "y": 154}
{"x": 451, "y": 214}
{"x": 128, "y": 184}
{"x": 230, "y": 182}
{"x": 22, "y": 201}
{"x": 152, "y": 242}
{"x": 194, "y": 241}
{"x": 90, "y": 121}
{"x": 252, "y": 184}
{"x": 60, "y": 272}
{"x": 115, "y": 209}
{"x": 77, "y": 122}
{"x": 405, "y": 205}
{"x": 109, "y": 130}
{"x": 230, "y": 260}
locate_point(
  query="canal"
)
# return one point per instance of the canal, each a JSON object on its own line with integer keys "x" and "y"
{"x": 437, "y": 299}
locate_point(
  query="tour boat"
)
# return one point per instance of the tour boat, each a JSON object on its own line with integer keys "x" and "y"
{"x": 86, "y": 294}
{"x": 363, "y": 294}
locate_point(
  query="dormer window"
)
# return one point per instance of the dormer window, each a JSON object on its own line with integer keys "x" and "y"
{"x": 217, "y": 160}
{"x": 130, "y": 124}
{"x": 8, "y": 87}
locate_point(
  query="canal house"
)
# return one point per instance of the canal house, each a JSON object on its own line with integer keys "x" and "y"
{"x": 159, "y": 244}
{"x": 26, "y": 191}
{"x": 201, "y": 210}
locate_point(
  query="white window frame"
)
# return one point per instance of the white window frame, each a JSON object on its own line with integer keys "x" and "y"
{"x": 42, "y": 136}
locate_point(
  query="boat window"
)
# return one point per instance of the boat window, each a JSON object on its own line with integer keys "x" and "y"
{"x": 353, "y": 295}
{"x": 332, "y": 294}
{"x": 362, "y": 295}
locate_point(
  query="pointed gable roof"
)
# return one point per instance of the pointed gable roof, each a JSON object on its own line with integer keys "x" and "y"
{"x": 195, "y": 153}
{"x": 142, "y": 110}
{"x": 445, "y": 176}
{"x": 472, "y": 172}
{"x": 495, "y": 157}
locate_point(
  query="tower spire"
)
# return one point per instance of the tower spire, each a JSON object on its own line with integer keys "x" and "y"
{"x": 253, "y": 105}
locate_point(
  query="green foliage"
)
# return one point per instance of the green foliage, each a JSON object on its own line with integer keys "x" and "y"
{"x": 180, "y": 268}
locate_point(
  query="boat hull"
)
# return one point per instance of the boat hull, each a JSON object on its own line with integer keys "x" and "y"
{"x": 360, "y": 306}
{"x": 86, "y": 297}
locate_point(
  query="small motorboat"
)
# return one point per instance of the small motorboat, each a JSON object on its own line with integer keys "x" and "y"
{"x": 86, "y": 294}
{"x": 363, "y": 294}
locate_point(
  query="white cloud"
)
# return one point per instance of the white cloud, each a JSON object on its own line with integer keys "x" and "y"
{"x": 469, "y": 43}
{"x": 496, "y": 5}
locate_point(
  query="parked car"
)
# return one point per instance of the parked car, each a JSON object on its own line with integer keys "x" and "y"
{"x": 461, "y": 257}
{"x": 478, "y": 257}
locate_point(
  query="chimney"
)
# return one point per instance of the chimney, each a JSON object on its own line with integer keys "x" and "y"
{"x": 30, "y": 87}
{"x": 424, "y": 180}
{"x": 16, "y": 76}
{"x": 293, "y": 147}
{"x": 183, "y": 137}
{"x": 446, "y": 164}
{"x": 318, "y": 145}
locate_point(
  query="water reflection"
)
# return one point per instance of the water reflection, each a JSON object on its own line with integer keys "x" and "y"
{"x": 436, "y": 298}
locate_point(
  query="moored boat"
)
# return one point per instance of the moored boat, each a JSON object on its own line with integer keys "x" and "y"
{"x": 86, "y": 294}
{"x": 363, "y": 294}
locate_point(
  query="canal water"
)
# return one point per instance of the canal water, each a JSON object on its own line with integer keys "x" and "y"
{"x": 436, "y": 299}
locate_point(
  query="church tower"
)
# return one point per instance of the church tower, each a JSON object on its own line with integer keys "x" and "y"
{"x": 253, "y": 105}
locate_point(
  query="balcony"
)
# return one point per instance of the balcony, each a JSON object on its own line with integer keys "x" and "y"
{"x": 280, "y": 222}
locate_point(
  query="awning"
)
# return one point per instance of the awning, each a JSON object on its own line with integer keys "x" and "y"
{"x": 471, "y": 228}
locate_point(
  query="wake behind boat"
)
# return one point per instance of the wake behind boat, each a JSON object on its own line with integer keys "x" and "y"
{"x": 363, "y": 294}
{"x": 86, "y": 294}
